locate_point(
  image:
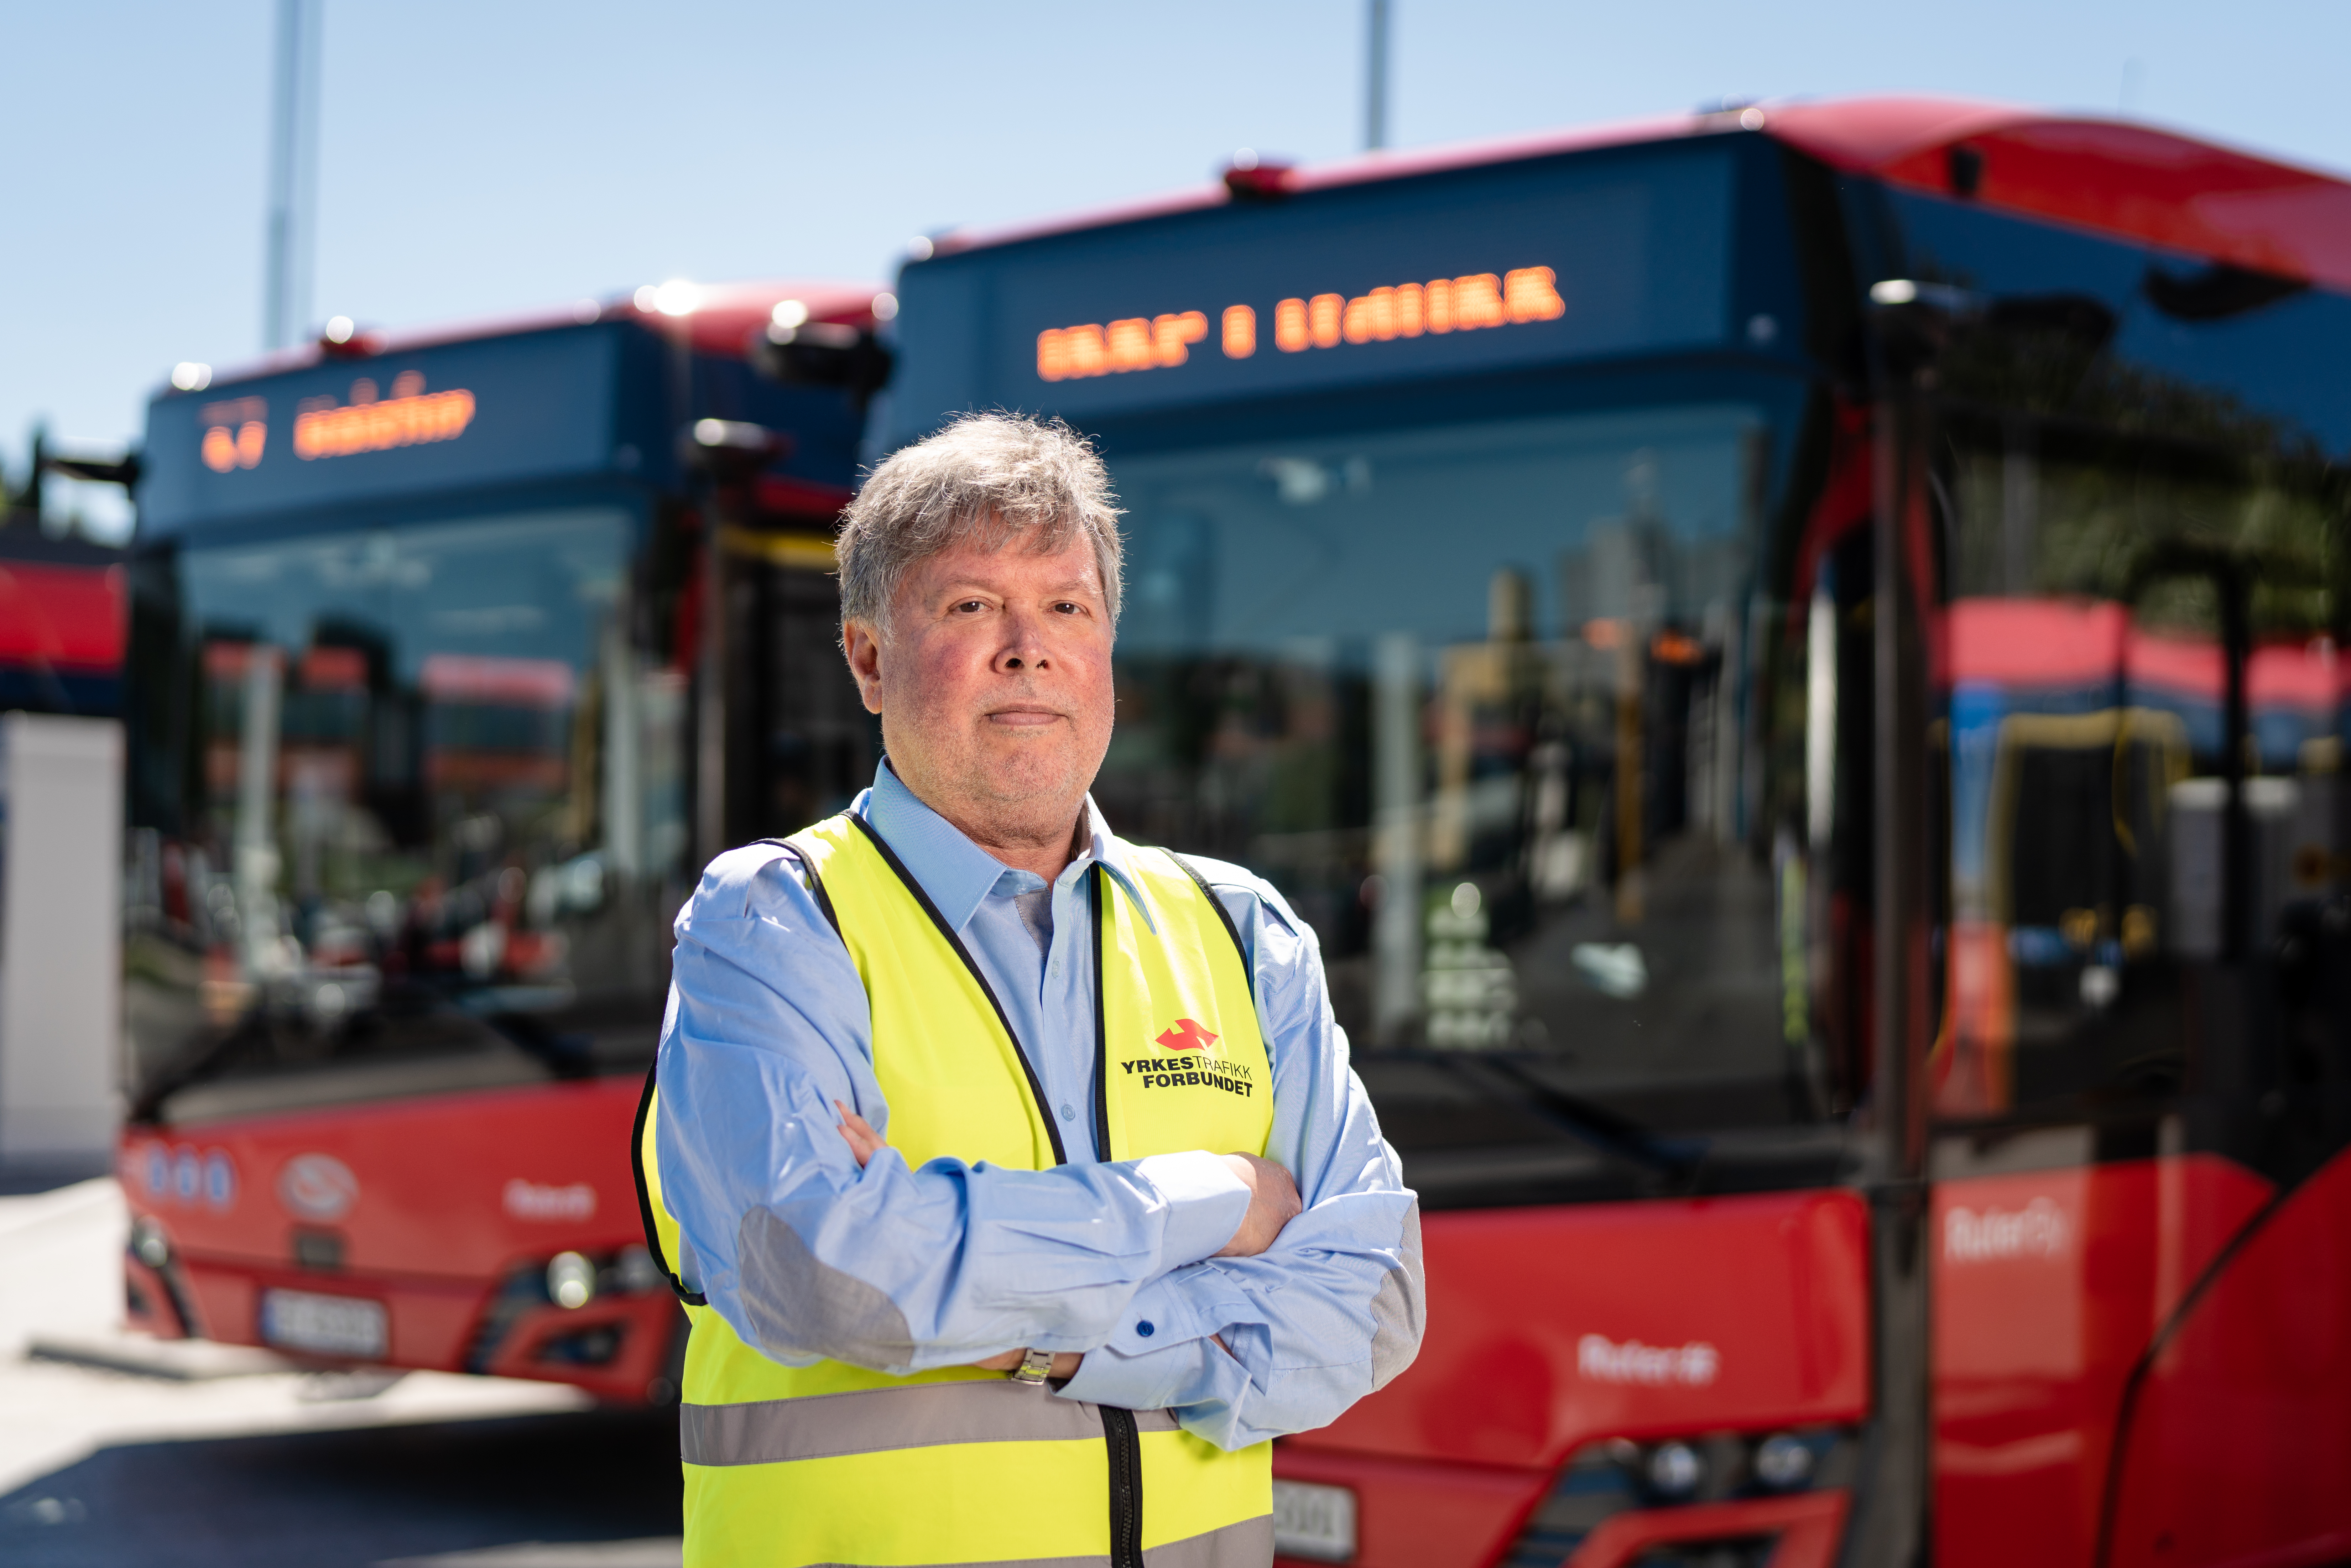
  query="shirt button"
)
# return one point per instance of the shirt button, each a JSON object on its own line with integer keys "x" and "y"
{"x": 1067, "y": 1115}
{"x": 1146, "y": 1328}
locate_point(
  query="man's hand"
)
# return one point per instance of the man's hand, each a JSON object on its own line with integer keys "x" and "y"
{"x": 1273, "y": 1202}
{"x": 863, "y": 1141}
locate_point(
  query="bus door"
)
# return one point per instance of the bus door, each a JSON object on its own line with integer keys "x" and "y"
{"x": 784, "y": 738}
{"x": 799, "y": 742}
{"x": 2139, "y": 1208}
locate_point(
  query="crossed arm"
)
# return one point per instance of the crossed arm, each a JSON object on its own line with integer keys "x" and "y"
{"x": 1273, "y": 1202}
{"x": 1192, "y": 1282}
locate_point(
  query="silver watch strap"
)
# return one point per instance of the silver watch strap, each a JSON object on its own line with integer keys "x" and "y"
{"x": 1034, "y": 1366}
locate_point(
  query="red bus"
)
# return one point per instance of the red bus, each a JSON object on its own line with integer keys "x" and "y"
{"x": 452, "y": 657}
{"x": 1789, "y": 656}
{"x": 61, "y": 601}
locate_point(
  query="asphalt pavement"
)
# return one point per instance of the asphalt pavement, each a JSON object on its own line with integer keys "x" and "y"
{"x": 219, "y": 1458}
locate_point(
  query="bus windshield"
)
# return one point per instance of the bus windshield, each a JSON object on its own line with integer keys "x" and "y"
{"x": 1492, "y": 703}
{"x": 413, "y": 779}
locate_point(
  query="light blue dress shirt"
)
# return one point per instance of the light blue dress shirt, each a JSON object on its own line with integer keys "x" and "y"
{"x": 807, "y": 1256}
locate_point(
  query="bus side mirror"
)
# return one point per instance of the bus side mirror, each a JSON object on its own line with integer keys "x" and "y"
{"x": 824, "y": 354}
{"x": 122, "y": 470}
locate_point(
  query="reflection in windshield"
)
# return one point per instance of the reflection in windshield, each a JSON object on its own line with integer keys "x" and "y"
{"x": 2110, "y": 594}
{"x": 425, "y": 778}
{"x": 1489, "y": 705}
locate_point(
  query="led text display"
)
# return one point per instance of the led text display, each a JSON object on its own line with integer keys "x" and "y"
{"x": 1464, "y": 303}
{"x": 235, "y": 433}
{"x": 410, "y": 417}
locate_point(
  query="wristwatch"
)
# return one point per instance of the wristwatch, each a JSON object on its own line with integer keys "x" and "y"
{"x": 1034, "y": 1366}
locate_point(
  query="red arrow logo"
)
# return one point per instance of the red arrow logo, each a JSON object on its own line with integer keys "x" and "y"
{"x": 1187, "y": 1036}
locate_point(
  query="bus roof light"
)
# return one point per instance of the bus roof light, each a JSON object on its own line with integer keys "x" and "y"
{"x": 1251, "y": 177}
{"x": 677, "y": 296}
{"x": 342, "y": 338}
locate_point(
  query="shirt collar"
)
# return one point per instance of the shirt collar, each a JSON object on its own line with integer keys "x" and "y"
{"x": 957, "y": 873}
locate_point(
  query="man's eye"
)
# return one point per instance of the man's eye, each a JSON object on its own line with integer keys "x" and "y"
{"x": 1069, "y": 607}
{"x": 970, "y": 607}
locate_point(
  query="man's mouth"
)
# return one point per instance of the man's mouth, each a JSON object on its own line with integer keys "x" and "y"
{"x": 1023, "y": 717}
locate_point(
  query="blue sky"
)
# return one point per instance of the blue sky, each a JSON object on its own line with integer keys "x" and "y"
{"x": 481, "y": 157}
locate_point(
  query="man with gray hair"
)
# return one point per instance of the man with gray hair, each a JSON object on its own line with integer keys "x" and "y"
{"x": 1013, "y": 1175}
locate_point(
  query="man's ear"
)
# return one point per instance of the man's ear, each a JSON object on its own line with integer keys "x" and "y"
{"x": 861, "y": 645}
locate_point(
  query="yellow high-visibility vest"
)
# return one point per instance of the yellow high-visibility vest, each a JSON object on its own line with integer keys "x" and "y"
{"x": 837, "y": 1464}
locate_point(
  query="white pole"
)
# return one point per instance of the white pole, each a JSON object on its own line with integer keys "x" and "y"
{"x": 1396, "y": 829}
{"x": 61, "y": 968}
{"x": 293, "y": 174}
{"x": 1376, "y": 76}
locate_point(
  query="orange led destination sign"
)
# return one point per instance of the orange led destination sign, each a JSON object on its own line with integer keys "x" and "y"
{"x": 235, "y": 433}
{"x": 410, "y": 417}
{"x": 439, "y": 417}
{"x": 1320, "y": 321}
{"x": 1138, "y": 343}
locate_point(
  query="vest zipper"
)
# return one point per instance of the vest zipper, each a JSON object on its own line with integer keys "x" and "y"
{"x": 1126, "y": 1487}
{"x": 1102, "y": 1024}
{"x": 1125, "y": 1443}
{"x": 1119, "y": 1434}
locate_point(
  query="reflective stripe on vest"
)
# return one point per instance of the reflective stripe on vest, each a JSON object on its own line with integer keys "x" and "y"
{"x": 837, "y": 1464}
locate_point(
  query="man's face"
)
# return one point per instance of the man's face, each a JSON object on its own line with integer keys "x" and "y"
{"x": 994, "y": 685}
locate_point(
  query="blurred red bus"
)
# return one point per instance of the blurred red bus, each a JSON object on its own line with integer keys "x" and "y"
{"x": 452, "y": 656}
{"x": 1790, "y": 656}
{"x": 61, "y": 623}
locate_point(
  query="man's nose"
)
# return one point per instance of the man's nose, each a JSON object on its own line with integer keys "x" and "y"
{"x": 1024, "y": 644}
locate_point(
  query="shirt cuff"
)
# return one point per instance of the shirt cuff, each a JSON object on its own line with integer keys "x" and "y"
{"x": 1161, "y": 1357}
{"x": 1205, "y": 1204}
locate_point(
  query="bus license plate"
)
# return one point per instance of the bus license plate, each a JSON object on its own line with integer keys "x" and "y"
{"x": 325, "y": 1325}
{"x": 1315, "y": 1522}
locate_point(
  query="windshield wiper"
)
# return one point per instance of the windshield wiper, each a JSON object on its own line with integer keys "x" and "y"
{"x": 205, "y": 1057}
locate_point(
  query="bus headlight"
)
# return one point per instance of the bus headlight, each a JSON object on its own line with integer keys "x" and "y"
{"x": 570, "y": 1280}
{"x": 1674, "y": 1469}
{"x": 636, "y": 1271}
{"x": 1783, "y": 1461}
{"x": 148, "y": 1244}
